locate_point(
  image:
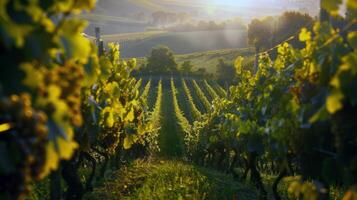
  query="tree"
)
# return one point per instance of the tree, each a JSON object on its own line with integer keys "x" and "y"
{"x": 187, "y": 66}
{"x": 161, "y": 59}
{"x": 201, "y": 71}
{"x": 259, "y": 35}
{"x": 290, "y": 23}
{"x": 225, "y": 71}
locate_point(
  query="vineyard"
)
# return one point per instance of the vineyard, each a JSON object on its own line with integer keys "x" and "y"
{"x": 76, "y": 123}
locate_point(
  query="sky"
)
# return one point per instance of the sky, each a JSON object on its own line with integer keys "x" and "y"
{"x": 310, "y": 6}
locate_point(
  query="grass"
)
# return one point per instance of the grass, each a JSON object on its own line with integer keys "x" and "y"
{"x": 124, "y": 37}
{"x": 170, "y": 140}
{"x": 170, "y": 179}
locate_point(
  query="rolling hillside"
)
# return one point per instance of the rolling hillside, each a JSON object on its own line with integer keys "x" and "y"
{"x": 179, "y": 42}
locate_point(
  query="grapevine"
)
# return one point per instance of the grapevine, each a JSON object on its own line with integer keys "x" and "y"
{"x": 155, "y": 121}
{"x": 183, "y": 123}
{"x": 196, "y": 113}
{"x": 146, "y": 91}
{"x": 210, "y": 90}
{"x": 201, "y": 95}
{"x": 221, "y": 91}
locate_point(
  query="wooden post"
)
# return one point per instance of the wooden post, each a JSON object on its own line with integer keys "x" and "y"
{"x": 99, "y": 41}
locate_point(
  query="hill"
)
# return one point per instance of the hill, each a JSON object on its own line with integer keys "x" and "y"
{"x": 140, "y": 44}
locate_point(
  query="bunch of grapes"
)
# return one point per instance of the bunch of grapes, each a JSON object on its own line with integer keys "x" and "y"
{"x": 110, "y": 138}
{"x": 69, "y": 79}
{"x": 23, "y": 136}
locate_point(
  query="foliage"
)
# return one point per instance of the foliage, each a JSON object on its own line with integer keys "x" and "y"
{"x": 210, "y": 90}
{"x": 296, "y": 111}
{"x": 195, "y": 112}
{"x": 209, "y": 59}
{"x": 201, "y": 95}
{"x": 225, "y": 71}
{"x": 259, "y": 32}
{"x": 270, "y": 31}
{"x": 231, "y": 24}
{"x": 222, "y": 92}
{"x": 47, "y": 60}
{"x": 59, "y": 97}
{"x": 289, "y": 24}
{"x": 145, "y": 93}
{"x": 162, "y": 60}
{"x": 116, "y": 104}
{"x": 155, "y": 121}
{"x": 186, "y": 66}
{"x": 182, "y": 121}
{"x": 164, "y": 179}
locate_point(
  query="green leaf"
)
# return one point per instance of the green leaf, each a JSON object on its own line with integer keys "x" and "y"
{"x": 76, "y": 46}
{"x": 110, "y": 119}
{"x": 352, "y": 39}
{"x": 320, "y": 115}
{"x": 238, "y": 65}
{"x": 128, "y": 142}
{"x": 334, "y": 102}
{"x": 352, "y": 7}
{"x": 33, "y": 76}
{"x": 332, "y": 6}
{"x": 13, "y": 34}
{"x": 105, "y": 68}
{"x": 304, "y": 35}
{"x": 131, "y": 116}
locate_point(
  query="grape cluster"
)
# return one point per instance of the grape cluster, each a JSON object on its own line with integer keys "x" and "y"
{"x": 25, "y": 139}
{"x": 110, "y": 138}
{"x": 69, "y": 79}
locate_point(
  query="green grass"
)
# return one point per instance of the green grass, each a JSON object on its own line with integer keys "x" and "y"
{"x": 124, "y": 37}
{"x": 170, "y": 139}
{"x": 209, "y": 59}
{"x": 170, "y": 179}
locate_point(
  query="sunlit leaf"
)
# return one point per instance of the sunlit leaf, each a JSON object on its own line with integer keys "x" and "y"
{"x": 33, "y": 76}
{"x": 334, "y": 102}
{"x": 238, "y": 65}
{"x": 5, "y": 127}
{"x": 66, "y": 148}
{"x": 131, "y": 116}
{"x": 127, "y": 143}
{"x": 76, "y": 46}
{"x": 52, "y": 160}
{"x": 304, "y": 35}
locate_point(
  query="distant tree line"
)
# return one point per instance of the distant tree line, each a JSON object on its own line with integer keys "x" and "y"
{"x": 162, "y": 18}
{"x": 270, "y": 31}
{"x": 235, "y": 24}
{"x": 161, "y": 61}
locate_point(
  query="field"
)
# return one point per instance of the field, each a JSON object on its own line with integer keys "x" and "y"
{"x": 209, "y": 59}
{"x": 137, "y": 45}
{"x": 170, "y": 177}
{"x": 83, "y": 121}
{"x": 120, "y": 38}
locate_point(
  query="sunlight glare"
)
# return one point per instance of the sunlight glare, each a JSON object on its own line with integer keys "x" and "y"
{"x": 231, "y": 2}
